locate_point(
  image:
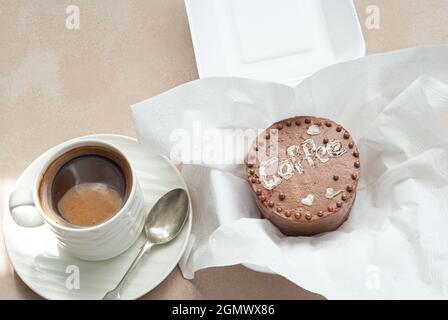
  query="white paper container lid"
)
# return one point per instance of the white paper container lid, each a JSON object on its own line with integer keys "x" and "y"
{"x": 276, "y": 40}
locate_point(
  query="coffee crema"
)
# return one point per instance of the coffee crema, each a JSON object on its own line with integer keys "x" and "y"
{"x": 89, "y": 204}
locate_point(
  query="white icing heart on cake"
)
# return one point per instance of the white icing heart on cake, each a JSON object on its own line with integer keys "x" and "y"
{"x": 308, "y": 200}
{"x": 313, "y": 130}
{"x": 330, "y": 193}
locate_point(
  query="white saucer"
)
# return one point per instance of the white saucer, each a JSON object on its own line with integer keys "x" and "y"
{"x": 42, "y": 265}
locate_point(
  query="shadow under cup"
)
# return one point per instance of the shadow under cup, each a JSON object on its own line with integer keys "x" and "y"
{"x": 85, "y": 186}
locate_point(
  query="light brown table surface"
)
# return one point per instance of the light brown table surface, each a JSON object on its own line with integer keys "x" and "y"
{"x": 57, "y": 84}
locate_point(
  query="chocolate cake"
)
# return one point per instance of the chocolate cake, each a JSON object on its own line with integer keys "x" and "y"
{"x": 304, "y": 172}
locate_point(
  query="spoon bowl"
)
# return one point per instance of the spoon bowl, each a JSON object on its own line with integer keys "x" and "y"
{"x": 167, "y": 217}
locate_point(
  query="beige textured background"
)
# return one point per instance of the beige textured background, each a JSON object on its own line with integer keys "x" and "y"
{"x": 57, "y": 84}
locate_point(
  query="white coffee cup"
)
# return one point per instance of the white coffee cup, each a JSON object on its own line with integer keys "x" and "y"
{"x": 98, "y": 242}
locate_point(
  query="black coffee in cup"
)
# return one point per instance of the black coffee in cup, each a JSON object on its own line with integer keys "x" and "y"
{"x": 86, "y": 186}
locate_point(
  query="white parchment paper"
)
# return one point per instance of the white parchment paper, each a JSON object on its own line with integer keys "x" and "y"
{"x": 395, "y": 243}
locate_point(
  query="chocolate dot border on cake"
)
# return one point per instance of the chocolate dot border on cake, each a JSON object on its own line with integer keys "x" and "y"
{"x": 272, "y": 200}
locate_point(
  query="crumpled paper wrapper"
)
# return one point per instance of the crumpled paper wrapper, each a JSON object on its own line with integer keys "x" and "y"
{"x": 395, "y": 243}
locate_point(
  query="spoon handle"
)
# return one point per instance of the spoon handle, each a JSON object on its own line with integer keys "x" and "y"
{"x": 114, "y": 294}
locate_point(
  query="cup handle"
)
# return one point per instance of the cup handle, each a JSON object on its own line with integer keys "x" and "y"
{"x": 23, "y": 211}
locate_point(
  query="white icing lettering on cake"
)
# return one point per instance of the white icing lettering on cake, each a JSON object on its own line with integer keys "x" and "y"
{"x": 313, "y": 130}
{"x": 286, "y": 169}
{"x": 293, "y": 153}
{"x": 267, "y": 177}
{"x": 309, "y": 147}
{"x": 298, "y": 166}
{"x": 330, "y": 193}
{"x": 308, "y": 200}
{"x": 334, "y": 148}
{"x": 320, "y": 153}
{"x": 272, "y": 173}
